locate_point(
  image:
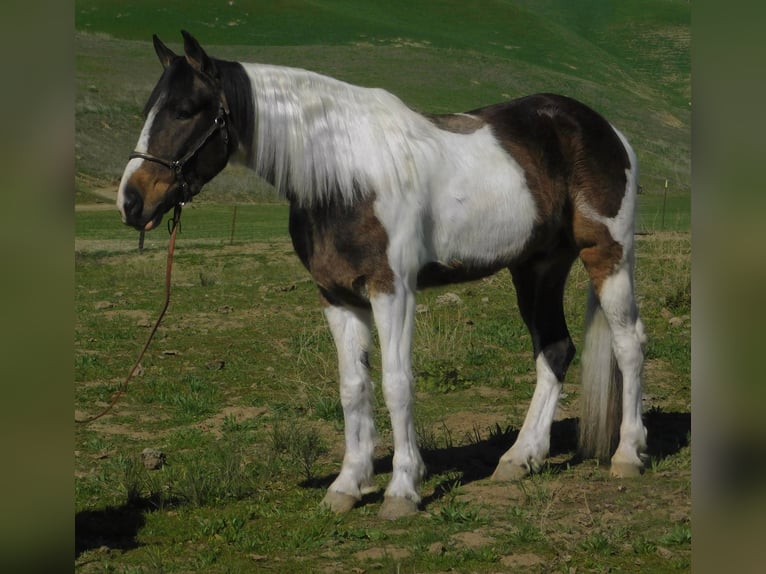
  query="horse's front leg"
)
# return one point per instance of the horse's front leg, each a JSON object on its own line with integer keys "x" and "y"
{"x": 394, "y": 317}
{"x": 350, "y": 329}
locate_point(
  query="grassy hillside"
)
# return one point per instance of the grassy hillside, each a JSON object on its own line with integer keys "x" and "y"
{"x": 628, "y": 60}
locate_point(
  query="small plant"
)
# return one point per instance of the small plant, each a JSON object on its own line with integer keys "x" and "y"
{"x": 598, "y": 543}
{"x": 130, "y": 479}
{"x": 457, "y": 511}
{"x": 300, "y": 444}
{"x": 642, "y": 545}
{"x": 441, "y": 379}
{"x": 526, "y": 533}
{"x": 680, "y": 535}
{"x": 231, "y": 425}
{"x": 328, "y": 409}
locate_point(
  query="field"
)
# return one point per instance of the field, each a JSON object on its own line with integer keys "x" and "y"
{"x": 239, "y": 388}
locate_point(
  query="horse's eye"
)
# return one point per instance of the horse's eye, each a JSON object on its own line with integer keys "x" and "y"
{"x": 183, "y": 114}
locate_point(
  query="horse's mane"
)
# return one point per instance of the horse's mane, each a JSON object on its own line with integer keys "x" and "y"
{"x": 317, "y": 137}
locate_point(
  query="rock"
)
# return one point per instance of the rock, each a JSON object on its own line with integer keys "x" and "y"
{"x": 449, "y": 299}
{"x": 153, "y": 459}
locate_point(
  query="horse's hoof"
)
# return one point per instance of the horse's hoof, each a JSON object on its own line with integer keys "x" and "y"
{"x": 626, "y": 469}
{"x": 507, "y": 471}
{"x": 397, "y": 507}
{"x": 338, "y": 502}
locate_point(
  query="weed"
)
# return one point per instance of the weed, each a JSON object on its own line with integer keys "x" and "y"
{"x": 230, "y": 424}
{"x": 642, "y": 545}
{"x": 457, "y": 511}
{"x": 598, "y": 543}
{"x": 328, "y": 409}
{"x": 679, "y": 536}
{"x": 429, "y": 440}
{"x": 300, "y": 443}
{"x": 526, "y": 533}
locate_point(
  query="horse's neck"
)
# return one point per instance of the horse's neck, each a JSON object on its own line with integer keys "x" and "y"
{"x": 317, "y": 137}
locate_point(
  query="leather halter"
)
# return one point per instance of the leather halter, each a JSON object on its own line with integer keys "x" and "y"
{"x": 177, "y": 165}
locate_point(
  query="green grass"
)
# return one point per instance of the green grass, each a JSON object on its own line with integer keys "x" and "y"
{"x": 239, "y": 387}
{"x": 228, "y": 477}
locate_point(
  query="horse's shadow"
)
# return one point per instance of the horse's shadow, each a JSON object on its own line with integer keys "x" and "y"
{"x": 117, "y": 527}
{"x": 114, "y": 527}
{"x": 668, "y": 433}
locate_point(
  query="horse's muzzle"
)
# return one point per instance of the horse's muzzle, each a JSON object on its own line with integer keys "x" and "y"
{"x": 132, "y": 210}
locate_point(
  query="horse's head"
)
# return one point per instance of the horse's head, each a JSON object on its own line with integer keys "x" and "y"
{"x": 185, "y": 139}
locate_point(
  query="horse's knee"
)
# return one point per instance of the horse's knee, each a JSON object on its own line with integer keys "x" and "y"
{"x": 559, "y": 355}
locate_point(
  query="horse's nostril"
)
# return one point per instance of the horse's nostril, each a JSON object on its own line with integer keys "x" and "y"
{"x": 132, "y": 204}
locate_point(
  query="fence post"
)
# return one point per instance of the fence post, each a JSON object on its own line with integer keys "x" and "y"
{"x": 664, "y": 205}
{"x": 233, "y": 225}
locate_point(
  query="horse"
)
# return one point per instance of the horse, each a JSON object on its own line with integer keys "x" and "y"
{"x": 385, "y": 201}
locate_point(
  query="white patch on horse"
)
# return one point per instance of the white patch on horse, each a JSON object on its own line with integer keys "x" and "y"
{"x": 142, "y": 146}
{"x": 481, "y": 208}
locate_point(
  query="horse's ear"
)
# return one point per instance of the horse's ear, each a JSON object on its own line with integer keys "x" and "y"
{"x": 197, "y": 57}
{"x": 164, "y": 53}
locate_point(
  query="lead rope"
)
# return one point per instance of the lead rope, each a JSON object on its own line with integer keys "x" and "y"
{"x": 171, "y": 247}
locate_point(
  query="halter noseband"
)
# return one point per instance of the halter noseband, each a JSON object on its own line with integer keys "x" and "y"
{"x": 219, "y": 123}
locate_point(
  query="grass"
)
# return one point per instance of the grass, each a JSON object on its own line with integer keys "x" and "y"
{"x": 226, "y": 476}
{"x": 239, "y": 387}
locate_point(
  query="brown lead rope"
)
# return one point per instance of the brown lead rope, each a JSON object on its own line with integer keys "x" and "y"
{"x": 171, "y": 247}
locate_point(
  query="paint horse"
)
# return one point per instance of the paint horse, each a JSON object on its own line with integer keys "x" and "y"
{"x": 384, "y": 201}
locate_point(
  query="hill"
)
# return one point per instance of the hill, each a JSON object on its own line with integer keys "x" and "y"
{"x": 629, "y": 60}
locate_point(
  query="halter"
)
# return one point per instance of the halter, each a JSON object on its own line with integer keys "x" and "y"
{"x": 219, "y": 123}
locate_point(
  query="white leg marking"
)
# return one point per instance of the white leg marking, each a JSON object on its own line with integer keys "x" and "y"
{"x": 351, "y": 331}
{"x": 531, "y": 447}
{"x": 628, "y": 332}
{"x": 394, "y": 318}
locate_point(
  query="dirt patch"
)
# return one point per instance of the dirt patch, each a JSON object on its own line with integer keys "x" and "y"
{"x": 383, "y": 552}
{"x": 475, "y": 539}
{"x": 521, "y": 560}
{"x": 215, "y": 423}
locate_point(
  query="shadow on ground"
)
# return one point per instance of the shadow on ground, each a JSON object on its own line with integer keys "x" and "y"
{"x": 114, "y": 528}
{"x": 668, "y": 433}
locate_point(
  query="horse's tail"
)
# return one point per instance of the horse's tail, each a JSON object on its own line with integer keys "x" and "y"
{"x": 601, "y": 399}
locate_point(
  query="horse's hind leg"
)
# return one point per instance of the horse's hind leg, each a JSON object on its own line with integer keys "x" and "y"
{"x": 613, "y": 285}
{"x": 540, "y": 292}
{"x": 350, "y": 329}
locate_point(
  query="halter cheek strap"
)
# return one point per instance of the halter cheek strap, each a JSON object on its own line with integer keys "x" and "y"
{"x": 177, "y": 165}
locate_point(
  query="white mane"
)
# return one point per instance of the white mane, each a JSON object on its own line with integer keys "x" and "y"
{"x": 318, "y": 136}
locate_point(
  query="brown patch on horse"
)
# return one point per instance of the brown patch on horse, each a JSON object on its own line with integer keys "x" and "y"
{"x": 599, "y": 252}
{"x": 567, "y": 151}
{"x": 457, "y": 123}
{"x": 344, "y": 247}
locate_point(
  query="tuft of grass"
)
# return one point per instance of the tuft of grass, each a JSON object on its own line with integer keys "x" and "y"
{"x": 458, "y": 511}
{"x": 598, "y": 543}
{"x": 300, "y": 444}
{"x": 678, "y": 536}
